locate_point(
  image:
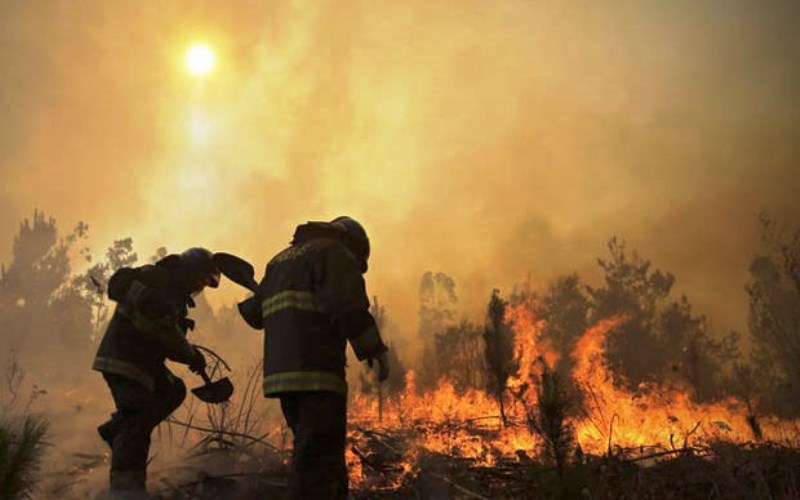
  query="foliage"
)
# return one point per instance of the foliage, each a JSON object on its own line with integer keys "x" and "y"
{"x": 459, "y": 356}
{"x": 41, "y": 316}
{"x": 92, "y": 284}
{"x": 549, "y": 418}
{"x": 564, "y": 308}
{"x": 498, "y": 340}
{"x": 662, "y": 336}
{"x": 774, "y": 317}
{"x": 437, "y": 311}
{"x": 21, "y": 449}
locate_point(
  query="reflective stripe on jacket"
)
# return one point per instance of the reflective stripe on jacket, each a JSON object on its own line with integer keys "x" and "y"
{"x": 135, "y": 345}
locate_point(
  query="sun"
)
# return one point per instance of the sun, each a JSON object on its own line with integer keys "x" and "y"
{"x": 200, "y": 60}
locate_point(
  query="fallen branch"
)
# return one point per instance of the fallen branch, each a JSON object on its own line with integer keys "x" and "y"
{"x": 662, "y": 453}
{"x": 686, "y": 439}
{"x": 372, "y": 465}
{"x": 375, "y": 436}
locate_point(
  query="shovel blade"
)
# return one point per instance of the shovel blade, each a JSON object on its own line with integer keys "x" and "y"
{"x": 236, "y": 269}
{"x": 215, "y": 392}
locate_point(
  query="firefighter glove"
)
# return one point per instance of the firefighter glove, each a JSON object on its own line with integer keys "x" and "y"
{"x": 383, "y": 365}
{"x": 198, "y": 364}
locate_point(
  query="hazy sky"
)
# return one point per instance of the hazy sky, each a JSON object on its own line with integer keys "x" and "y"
{"x": 487, "y": 139}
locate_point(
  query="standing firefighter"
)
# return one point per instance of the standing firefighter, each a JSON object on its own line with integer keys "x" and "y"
{"x": 311, "y": 301}
{"x": 149, "y": 325}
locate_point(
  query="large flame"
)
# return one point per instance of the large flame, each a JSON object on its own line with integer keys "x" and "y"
{"x": 468, "y": 424}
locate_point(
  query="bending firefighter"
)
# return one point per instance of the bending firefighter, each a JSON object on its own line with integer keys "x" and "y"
{"x": 149, "y": 325}
{"x": 311, "y": 301}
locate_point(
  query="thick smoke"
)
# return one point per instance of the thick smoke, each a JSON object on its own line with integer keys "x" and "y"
{"x": 487, "y": 140}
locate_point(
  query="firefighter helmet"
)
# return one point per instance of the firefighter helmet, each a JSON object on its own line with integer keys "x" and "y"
{"x": 355, "y": 237}
{"x": 200, "y": 267}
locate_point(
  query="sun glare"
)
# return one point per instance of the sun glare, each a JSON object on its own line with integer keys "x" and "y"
{"x": 200, "y": 60}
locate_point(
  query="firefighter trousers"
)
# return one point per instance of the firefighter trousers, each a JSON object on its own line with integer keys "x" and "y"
{"x": 139, "y": 411}
{"x": 319, "y": 423}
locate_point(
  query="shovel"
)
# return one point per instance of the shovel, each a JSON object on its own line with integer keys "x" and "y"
{"x": 242, "y": 273}
{"x": 236, "y": 269}
{"x": 213, "y": 392}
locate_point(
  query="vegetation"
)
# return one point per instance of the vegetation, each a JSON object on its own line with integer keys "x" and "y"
{"x": 499, "y": 351}
{"x": 21, "y": 449}
{"x": 48, "y": 311}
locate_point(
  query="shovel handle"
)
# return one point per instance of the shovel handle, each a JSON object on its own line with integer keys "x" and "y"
{"x": 205, "y": 376}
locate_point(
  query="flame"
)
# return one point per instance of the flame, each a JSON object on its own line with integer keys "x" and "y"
{"x": 468, "y": 424}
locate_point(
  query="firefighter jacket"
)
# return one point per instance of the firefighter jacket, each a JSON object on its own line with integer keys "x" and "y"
{"x": 149, "y": 323}
{"x": 313, "y": 300}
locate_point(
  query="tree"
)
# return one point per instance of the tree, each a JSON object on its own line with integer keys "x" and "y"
{"x": 397, "y": 371}
{"x": 459, "y": 355}
{"x": 564, "y": 308}
{"x": 43, "y": 319}
{"x": 93, "y": 283}
{"x": 774, "y": 315}
{"x": 437, "y": 310}
{"x": 661, "y": 335}
{"x": 499, "y": 350}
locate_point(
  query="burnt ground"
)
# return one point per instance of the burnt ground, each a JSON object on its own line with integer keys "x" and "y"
{"x": 719, "y": 471}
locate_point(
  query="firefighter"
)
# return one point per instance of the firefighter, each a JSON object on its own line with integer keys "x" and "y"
{"x": 311, "y": 301}
{"x": 149, "y": 325}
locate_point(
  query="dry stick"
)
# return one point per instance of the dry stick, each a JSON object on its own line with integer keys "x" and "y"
{"x": 244, "y": 400}
{"x": 476, "y": 419}
{"x": 374, "y": 436}
{"x": 661, "y": 454}
{"x": 686, "y": 439}
{"x": 596, "y": 401}
{"x": 252, "y": 397}
{"x": 246, "y": 396}
{"x": 463, "y": 490}
{"x": 595, "y": 424}
{"x": 611, "y": 432}
{"x": 372, "y": 465}
{"x": 186, "y": 429}
{"x": 216, "y": 356}
{"x": 223, "y": 431}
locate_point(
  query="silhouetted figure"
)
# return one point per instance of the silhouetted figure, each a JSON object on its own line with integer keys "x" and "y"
{"x": 311, "y": 301}
{"x": 149, "y": 325}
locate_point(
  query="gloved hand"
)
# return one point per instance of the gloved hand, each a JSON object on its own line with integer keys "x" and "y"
{"x": 186, "y": 324}
{"x": 383, "y": 365}
{"x": 198, "y": 364}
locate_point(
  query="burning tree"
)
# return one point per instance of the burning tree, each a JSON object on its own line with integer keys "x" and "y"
{"x": 564, "y": 309}
{"x": 662, "y": 335}
{"x": 499, "y": 350}
{"x": 550, "y": 417}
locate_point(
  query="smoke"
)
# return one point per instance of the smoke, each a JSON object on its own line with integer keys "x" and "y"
{"x": 489, "y": 140}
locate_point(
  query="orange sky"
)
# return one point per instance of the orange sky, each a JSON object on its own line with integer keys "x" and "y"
{"x": 486, "y": 139}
